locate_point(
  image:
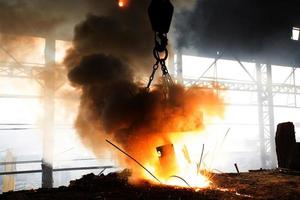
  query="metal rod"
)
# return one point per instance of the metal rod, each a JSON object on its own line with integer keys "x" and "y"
{"x": 134, "y": 160}
{"x": 55, "y": 170}
{"x": 225, "y": 137}
{"x": 82, "y": 168}
{"x": 245, "y": 69}
{"x": 16, "y": 129}
{"x": 218, "y": 146}
{"x": 39, "y": 161}
{"x": 21, "y": 162}
{"x": 237, "y": 169}
{"x": 226, "y": 133}
{"x": 174, "y": 176}
{"x": 294, "y": 84}
{"x": 201, "y": 157}
{"x": 210, "y": 66}
{"x": 102, "y": 171}
{"x": 10, "y": 55}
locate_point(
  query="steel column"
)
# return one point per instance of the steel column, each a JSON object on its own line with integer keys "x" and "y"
{"x": 266, "y": 115}
{"x": 178, "y": 64}
{"x": 49, "y": 90}
{"x": 260, "y": 115}
{"x": 271, "y": 128}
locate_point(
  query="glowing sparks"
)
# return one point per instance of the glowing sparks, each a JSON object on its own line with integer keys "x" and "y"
{"x": 185, "y": 173}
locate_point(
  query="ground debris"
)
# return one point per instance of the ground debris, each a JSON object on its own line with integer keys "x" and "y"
{"x": 261, "y": 184}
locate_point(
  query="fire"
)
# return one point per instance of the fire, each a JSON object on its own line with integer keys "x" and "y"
{"x": 173, "y": 157}
{"x": 180, "y": 171}
{"x": 149, "y": 127}
{"x": 122, "y": 3}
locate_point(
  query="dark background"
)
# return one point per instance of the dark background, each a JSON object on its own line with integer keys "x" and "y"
{"x": 259, "y": 30}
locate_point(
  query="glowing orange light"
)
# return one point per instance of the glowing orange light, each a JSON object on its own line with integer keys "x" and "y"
{"x": 183, "y": 170}
{"x": 121, "y": 4}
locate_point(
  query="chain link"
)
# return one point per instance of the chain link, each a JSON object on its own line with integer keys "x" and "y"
{"x": 167, "y": 80}
{"x": 160, "y": 53}
{"x": 154, "y": 68}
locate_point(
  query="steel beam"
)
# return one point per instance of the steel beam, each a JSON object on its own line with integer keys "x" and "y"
{"x": 49, "y": 91}
{"x": 238, "y": 85}
{"x": 271, "y": 124}
{"x": 266, "y": 115}
{"x": 260, "y": 100}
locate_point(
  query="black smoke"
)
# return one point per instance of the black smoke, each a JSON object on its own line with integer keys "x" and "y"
{"x": 248, "y": 29}
{"x": 109, "y": 58}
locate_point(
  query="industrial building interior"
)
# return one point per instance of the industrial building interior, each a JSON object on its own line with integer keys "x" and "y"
{"x": 242, "y": 57}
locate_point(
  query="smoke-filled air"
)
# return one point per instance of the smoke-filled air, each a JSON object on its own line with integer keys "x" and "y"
{"x": 108, "y": 62}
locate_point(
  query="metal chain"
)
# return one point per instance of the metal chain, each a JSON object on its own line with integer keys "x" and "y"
{"x": 167, "y": 80}
{"x": 154, "y": 68}
{"x": 160, "y": 53}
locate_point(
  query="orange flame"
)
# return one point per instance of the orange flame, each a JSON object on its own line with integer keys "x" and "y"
{"x": 199, "y": 103}
{"x": 122, "y": 3}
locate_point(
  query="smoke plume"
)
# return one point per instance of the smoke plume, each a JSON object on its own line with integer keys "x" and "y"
{"x": 106, "y": 62}
{"x": 114, "y": 106}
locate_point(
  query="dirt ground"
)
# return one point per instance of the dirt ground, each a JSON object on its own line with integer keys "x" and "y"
{"x": 271, "y": 184}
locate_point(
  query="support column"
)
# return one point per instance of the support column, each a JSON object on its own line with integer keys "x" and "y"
{"x": 48, "y": 135}
{"x": 271, "y": 117}
{"x": 294, "y": 85}
{"x": 179, "y": 75}
{"x": 260, "y": 115}
{"x": 9, "y": 181}
{"x": 266, "y": 115}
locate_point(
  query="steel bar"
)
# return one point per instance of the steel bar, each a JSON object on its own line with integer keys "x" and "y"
{"x": 225, "y": 137}
{"x": 15, "y": 129}
{"x": 55, "y": 170}
{"x": 245, "y": 69}
{"x": 201, "y": 158}
{"x": 39, "y": 161}
{"x": 14, "y": 96}
{"x": 11, "y": 56}
{"x": 237, "y": 169}
{"x": 82, "y": 168}
{"x": 133, "y": 160}
{"x": 174, "y": 176}
{"x": 102, "y": 171}
{"x": 21, "y": 162}
{"x": 210, "y": 66}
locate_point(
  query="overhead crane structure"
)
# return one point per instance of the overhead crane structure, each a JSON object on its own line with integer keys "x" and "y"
{"x": 262, "y": 85}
